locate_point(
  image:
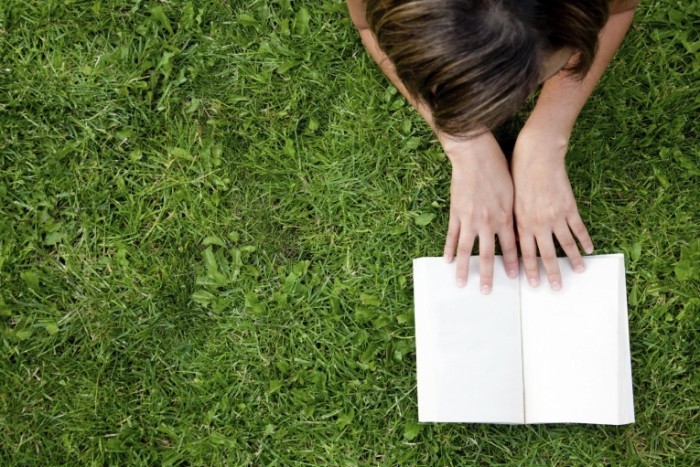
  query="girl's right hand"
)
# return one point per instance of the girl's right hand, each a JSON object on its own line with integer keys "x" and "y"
{"x": 481, "y": 205}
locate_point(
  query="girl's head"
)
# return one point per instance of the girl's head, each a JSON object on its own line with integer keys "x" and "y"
{"x": 475, "y": 62}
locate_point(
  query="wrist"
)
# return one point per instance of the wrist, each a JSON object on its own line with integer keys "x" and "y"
{"x": 555, "y": 129}
{"x": 461, "y": 149}
{"x": 541, "y": 142}
{"x": 538, "y": 146}
{"x": 552, "y": 129}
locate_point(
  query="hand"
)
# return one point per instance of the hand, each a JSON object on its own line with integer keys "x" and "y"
{"x": 545, "y": 205}
{"x": 481, "y": 205}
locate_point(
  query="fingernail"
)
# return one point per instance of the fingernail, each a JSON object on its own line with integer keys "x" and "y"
{"x": 485, "y": 289}
{"x": 534, "y": 281}
{"x": 589, "y": 250}
{"x": 447, "y": 259}
{"x": 556, "y": 285}
{"x": 580, "y": 268}
{"x": 512, "y": 273}
{"x": 461, "y": 282}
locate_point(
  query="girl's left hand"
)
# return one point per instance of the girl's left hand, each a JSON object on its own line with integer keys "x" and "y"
{"x": 545, "y": 206}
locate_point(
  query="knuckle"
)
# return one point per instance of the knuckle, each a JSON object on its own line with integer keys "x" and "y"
{"x": 462, "y": 249}
{"x": 575, "y": 221}
{"x": 493, "y": 217}
{"x": 453, "y": 226}
{"x": 577, "y": 227}
{"x": 523, "y": 228}
{"x": 548, "y": 254}
{"x": 567, "y": 243}
{"x": 501, "y": 216}
{"x": 530, "y": 261}
{"x": 529, "y": 257}
{"x": 542, "y": 219}
{"x": 485, "y": 216}
{"x": 509, "y": 250}
{"x": 488, "y": 257}
{"x": 466, "y": 213}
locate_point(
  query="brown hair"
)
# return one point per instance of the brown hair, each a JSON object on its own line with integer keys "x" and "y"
{"x": 475, "y": 62}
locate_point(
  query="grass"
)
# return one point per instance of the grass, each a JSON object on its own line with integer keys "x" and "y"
{"x": 208, "y": 212}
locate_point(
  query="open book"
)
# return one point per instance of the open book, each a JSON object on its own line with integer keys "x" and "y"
{"x": 523, "y": 354}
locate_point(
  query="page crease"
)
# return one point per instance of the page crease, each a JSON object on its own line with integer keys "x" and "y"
{"x": 522, "y": 345}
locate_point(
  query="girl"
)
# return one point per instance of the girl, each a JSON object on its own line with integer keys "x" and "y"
{"x": 466, "y": 66}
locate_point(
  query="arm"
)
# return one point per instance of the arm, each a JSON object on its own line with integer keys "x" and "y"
{"x": 544, "y": 202}
{"x": 562, "y": 97}
{"x": 359, "y": 18}
{"x": 481, "y": 193}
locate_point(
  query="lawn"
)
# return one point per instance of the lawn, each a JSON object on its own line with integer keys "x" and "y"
{"x": 208, "y": 212}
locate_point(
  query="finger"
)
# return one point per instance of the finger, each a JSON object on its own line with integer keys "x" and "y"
{"x": 545, "y": 243}
{"x": 506, "y": 238}
{"x": 464, "y": 251}
{"x": 568, "y": 244}
{"x": 528, "y": 248}
{"x": 486, "y": 252}
{"x": 451, "y": 239}
{"x": 579, "y": 230}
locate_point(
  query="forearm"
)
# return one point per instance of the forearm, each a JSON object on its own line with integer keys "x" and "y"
{"x": 562, "y": 97}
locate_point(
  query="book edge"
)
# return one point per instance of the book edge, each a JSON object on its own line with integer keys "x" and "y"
{"x": 625, "y": 390}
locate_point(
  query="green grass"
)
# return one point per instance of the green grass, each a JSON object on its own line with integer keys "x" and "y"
{"x": 208, "y": 212}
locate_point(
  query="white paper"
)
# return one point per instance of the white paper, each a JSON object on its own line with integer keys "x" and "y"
{"x": 571, "y": 341}
{"x": 624, "y": 364}
{"x": 468, "y": 346}
{"x": 573, "y": 357}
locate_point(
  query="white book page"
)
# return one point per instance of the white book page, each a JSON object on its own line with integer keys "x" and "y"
{"x": 572, "y": 339}
{"x": 468, "y": 345}
{"x": 626, "y": 400}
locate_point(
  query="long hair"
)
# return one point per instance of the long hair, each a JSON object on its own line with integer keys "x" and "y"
{"x": 475, "y": 62}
